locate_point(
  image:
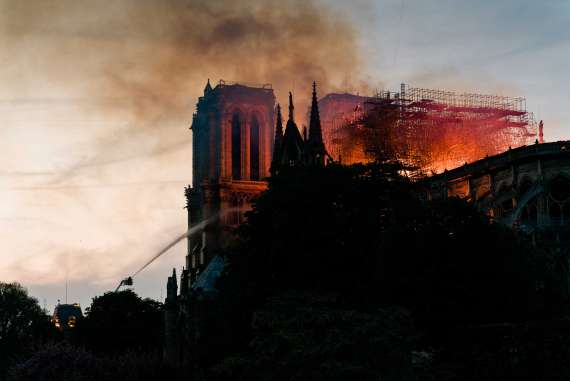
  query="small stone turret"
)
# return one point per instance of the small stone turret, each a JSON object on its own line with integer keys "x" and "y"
{"x": 208, "y": 87}
{"x": 171, "y": 340}
{"x": 172, "y": 288}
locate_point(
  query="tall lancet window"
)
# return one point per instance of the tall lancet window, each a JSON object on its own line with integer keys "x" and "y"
{"x": 236, "y": 147}
{"x": 254, "y": 149}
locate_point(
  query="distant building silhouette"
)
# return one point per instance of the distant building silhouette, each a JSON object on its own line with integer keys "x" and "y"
{"x": 66, "y": 316}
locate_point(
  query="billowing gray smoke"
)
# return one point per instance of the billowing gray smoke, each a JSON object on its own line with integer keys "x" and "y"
{"x": 148, "y": 60}
{"x": 158, "y": 51}
{"x": 98, "y": 97}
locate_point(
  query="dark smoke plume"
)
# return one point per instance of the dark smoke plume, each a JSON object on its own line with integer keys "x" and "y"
{"x": 287, "y": 44}
{"x": 150, "y": 59}
{"x": 99, "y": 93}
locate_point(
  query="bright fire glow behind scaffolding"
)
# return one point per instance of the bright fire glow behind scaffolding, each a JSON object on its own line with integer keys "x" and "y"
{"x": 429, "y": 129}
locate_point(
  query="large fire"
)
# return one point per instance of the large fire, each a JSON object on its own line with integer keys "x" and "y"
{"x": 431, "y": 130}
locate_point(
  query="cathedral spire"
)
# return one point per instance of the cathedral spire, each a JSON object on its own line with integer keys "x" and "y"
{"x": 291, "y": 108}
{"x": 315, "y": 146}
{"x": 315, "y": 133}
{"x": 208, "y": 87}
{"x": 292, "y": 145}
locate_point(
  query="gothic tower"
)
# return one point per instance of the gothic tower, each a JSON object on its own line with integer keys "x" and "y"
{"x": 232, "y": 140}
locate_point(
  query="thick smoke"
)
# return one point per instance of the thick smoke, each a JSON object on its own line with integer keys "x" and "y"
{"x": 102, "y": 92}
{"x": 149, "y": 59}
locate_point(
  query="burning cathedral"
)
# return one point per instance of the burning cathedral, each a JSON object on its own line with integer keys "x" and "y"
{"x": 238, "y": 142}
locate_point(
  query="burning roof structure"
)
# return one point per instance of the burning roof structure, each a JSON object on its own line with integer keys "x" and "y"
{"x": 431, "y": 130}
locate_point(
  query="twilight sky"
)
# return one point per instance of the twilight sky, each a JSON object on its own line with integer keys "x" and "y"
{"x": 96, "y": 99}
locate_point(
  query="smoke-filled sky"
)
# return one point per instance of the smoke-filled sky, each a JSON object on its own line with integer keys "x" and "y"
{"x": 96, "y": 98}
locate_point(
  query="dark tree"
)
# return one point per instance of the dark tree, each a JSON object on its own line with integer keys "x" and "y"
{"x": 120, "y": 321}
{"x": 23, "y": 324}
{"x": 64, "y": 362}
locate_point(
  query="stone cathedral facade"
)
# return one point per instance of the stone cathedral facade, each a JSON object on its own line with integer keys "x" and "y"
{"x": 232, "y": 133}
{"x": 238, "y": 142}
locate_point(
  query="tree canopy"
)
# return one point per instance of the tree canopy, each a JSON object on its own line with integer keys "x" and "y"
{"x": 119, "y": 321}
{"x": 23, "y": 324}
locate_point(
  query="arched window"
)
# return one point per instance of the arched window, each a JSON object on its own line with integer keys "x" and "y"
{"x": 560, "y": 189}
{"x": 559, "y": 195}
{"x": 254, "y": 149}
{"x": 236, "y": 147}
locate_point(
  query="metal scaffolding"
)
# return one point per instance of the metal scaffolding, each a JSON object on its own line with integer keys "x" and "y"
{"x": 430, "y": 129}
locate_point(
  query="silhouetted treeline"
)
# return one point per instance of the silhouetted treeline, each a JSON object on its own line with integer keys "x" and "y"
{"x": 63, "y": 361}
{"x": 364, "y": 237}
{"x": 120, "y": 338}
{"x": 117, "y": 322}
{"x": 340, "y": 273}
{"x": 24, "y": 327}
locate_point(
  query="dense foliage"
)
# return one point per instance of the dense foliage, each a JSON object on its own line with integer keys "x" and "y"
{"x": 363, "y": 236}
{"x": 308, "y": 336}
{"x": 121, "y": 321}
{"x": 63, "y": 362}
{"x": 23, "y": 324}
{"x": 119, "y": 339}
